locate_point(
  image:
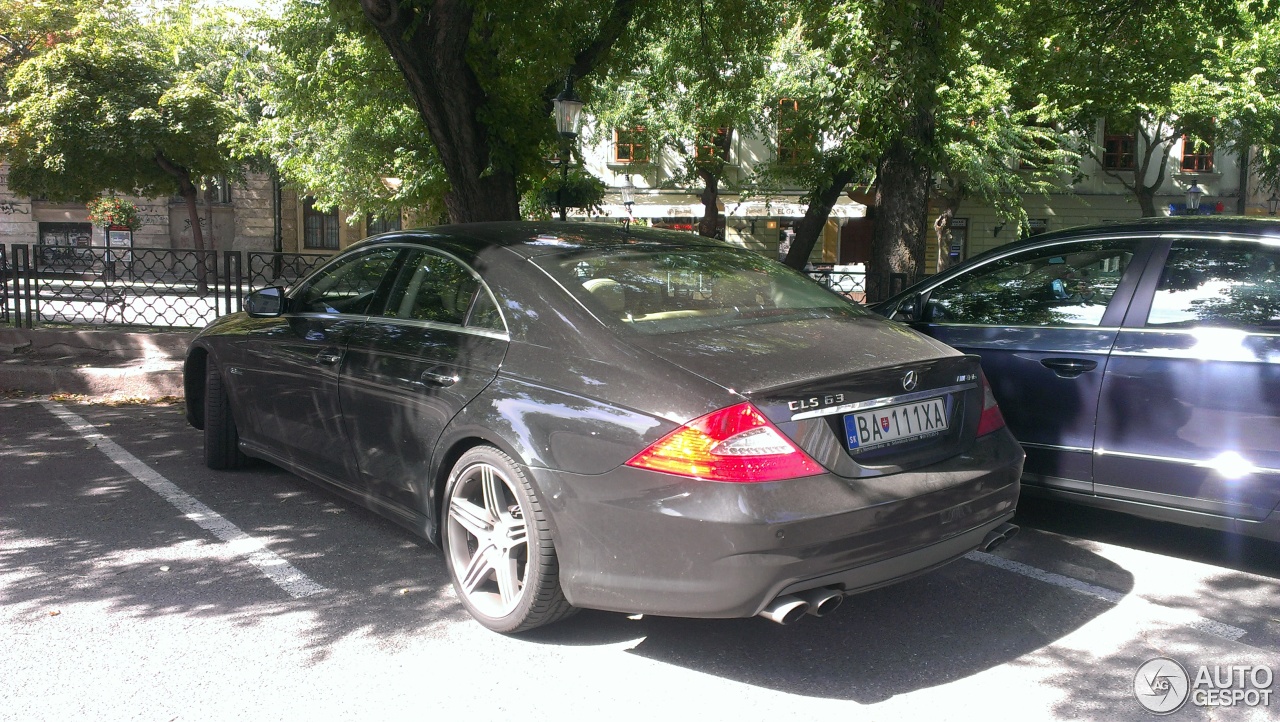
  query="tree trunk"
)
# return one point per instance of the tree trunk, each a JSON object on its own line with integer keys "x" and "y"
{"x": 187, "y": 189}
{"x": 809, "y": 229}
{"x": 903, "y": 176}
{"x": 902, "y": 200}
{"x": 430, "y": 44}
{"x": 709, "y": 225}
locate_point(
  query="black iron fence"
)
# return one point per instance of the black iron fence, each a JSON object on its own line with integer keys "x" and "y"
{"x": 858, "y": 286}
{"x": 58, "y": 284}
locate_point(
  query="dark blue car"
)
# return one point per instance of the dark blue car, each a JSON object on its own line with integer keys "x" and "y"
{"x": 1138, "y": 363}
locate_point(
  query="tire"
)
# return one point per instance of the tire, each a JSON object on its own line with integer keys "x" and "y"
{"x": 221, "y": 440}
{"x": 497, "y": 545}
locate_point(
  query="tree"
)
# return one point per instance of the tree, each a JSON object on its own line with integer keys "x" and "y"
{"x": 110, "y": 109}
{"x": 334, "y": 115}
{"x": 689, "y": 86}
{"x": 30, "y": 27}
{"x": 1127, "y": 64}
{"x": 482, "y": 75}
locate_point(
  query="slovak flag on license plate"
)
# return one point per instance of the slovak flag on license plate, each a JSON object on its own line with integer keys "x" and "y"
{"x": 884, "y": 423}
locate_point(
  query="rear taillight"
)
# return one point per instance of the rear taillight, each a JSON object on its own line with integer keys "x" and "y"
{"x": 733, "y": 444}
{"x": 992, "y": 419}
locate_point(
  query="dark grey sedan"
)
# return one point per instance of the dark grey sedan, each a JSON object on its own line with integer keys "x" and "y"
{"x": 1138, "y": 363}
{"x": 637, "y": 421}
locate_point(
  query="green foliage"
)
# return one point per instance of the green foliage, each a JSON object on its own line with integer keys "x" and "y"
{"x": 336, "y": 118}
{"x": 108, "y": 211}
{"x": 98, "y": 111}
{"x": 579, "y": 190}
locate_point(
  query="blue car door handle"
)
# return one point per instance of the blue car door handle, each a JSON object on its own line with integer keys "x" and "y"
{"x": 1068, "y": 368}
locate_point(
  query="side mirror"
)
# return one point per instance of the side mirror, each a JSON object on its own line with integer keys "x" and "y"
{"x": 265, "y": 302}
{"x": 908, "y": 311}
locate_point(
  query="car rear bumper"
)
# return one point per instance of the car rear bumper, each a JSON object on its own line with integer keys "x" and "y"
{"x": 642, "y": 542}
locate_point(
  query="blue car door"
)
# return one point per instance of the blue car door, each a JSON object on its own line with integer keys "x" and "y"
{"x": 1043, "y": 319}
{"x": 1190, "y": 409}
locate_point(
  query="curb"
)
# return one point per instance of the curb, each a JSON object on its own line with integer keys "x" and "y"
{"x": 93, "y": 363}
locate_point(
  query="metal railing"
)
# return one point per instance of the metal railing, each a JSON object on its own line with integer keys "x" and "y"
{"x": 157, "y": 287}
{"x": 860, "y": 287}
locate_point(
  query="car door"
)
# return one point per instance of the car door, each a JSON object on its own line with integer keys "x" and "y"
{"x": 288, "y": 381}
{"x": 1190, "y": 410}
{"x": 1043, "y": 319}
{"x": 436, "y": 343}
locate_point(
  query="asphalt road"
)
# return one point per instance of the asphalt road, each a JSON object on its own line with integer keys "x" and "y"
{"x": 136, "y": 584}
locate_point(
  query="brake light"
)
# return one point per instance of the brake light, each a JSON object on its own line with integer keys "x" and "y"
{"x": 733, "y": 444}
{"x": 992, "y": 419}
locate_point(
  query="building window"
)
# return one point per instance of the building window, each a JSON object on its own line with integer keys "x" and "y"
{"x": 319, "y": 229}
{"x": 220, "y": 187}
{"x": 79, "y": 235}
{"x": 629, "y": 145}
{"x": 375, "y": 225}
{"x": 712, "y": 145}
{"x": 1196, "y": 157}
{"x": 791, "y": 142}
{"x": 1117, "y": 150}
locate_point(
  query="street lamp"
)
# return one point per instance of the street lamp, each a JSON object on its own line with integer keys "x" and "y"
{"x": 1193, "y": 199}
{"x": 568, "y": 112}
{"x": 1272, "y": 203}
{"x": 628, "y": 193}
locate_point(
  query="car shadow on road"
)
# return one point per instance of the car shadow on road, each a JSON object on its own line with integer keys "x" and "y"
{"x": 951, "y": 624}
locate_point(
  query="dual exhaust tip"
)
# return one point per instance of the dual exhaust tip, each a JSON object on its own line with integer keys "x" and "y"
{"x": 790, "y": 608}
{"x": 998, "y": 536}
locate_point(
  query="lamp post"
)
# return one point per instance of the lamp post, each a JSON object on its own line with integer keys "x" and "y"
{"x": 1193, "y": 199}
{"x": 1272, "y": 204}
{"x": 628, "y": 193}
{"x": 568, "y": 112}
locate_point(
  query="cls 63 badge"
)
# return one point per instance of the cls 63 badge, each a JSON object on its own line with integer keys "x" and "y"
{"x": 815, "y": 402}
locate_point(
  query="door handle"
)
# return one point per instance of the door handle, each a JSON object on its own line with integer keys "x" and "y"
{"x": 1068, "y": 368}
{"x": 327, "y": 358}
{"x": 431, "y": 378}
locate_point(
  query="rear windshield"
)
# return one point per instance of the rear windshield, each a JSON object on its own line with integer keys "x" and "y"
{"x": 691, "y": 289}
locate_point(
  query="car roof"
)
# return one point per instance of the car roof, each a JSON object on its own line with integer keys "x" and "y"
{"x": 1241, "y": 225}
{"x": 537, "y": 238}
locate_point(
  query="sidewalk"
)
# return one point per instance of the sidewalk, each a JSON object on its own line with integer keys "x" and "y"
{"x": 97, "y": 364}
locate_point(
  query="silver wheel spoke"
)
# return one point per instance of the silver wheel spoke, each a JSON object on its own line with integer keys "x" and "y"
{"x": 472, "y": 518}
{"x": 493, "y": 496}
{"x": 515, "y": 531}
{"x": 508, "y": 579}
{"x": 477, "y": 569}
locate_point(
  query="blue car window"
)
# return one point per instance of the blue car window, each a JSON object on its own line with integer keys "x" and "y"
{"x": 1229, "y": 285}
{"x": 1038, "y": 287}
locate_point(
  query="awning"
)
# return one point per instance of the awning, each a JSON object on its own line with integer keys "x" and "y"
{"x": 765, "y": 208}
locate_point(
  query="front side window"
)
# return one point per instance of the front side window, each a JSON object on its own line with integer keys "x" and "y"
{"x": 381, "y": 224}
{"x": 1230, "y": 285}
{"x": 1063, "y": 285}
{"x": 694, "y": 289}
{"x": 438, "y": 289}
{"x": 347, "y": 286}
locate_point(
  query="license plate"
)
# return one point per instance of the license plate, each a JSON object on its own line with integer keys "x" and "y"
{"x": 872, "y": 429}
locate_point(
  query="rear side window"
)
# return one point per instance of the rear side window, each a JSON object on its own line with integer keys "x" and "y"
{"x": 435, "y": 288}
{"x": 1228, "y": 285}
{"x": 669, "y": 291}
{"x": 1062, "y": 285}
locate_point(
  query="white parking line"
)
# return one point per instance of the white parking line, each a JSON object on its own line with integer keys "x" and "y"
{"x": 1175, "y": 616}
{"x": 284, "y": 574}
